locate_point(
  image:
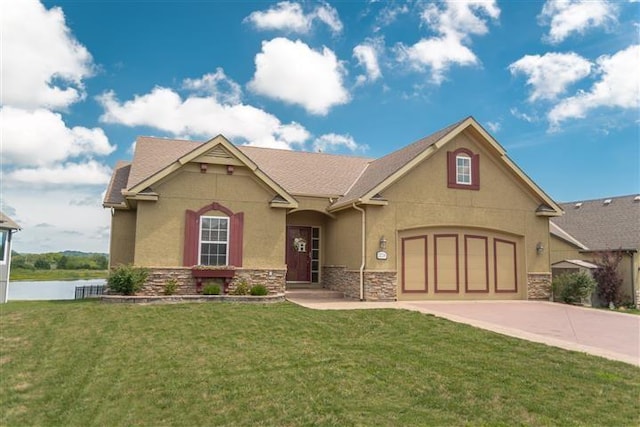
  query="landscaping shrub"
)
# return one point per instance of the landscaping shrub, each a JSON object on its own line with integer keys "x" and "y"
{"x": 259, "y": 290}
{"x": 241, "y": 288}
{"x": 211, "y": 289}
{"x": 171, "y": 286}
{"x": 607, "y": 277}
{"x": 573, "y": 288}
{"x": 127, "y": 279}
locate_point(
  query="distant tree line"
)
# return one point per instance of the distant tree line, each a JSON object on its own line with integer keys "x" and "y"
{"x": 60, "y": 261}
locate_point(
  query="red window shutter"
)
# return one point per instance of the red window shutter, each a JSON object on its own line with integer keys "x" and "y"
{"x": 190, "y": 252}
{"x": 235, "y": 239}
{"x": 451, "y": 169}
{"x": 475, "y": 172}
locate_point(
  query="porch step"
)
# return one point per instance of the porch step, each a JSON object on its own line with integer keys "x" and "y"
{"x": 313, "y": 294}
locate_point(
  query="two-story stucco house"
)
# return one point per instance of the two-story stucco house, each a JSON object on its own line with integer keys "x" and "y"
{"x": 447, "y": 217}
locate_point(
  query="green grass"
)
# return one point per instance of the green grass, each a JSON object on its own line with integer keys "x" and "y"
{"x": 38, "y": 275}
{"x": 88, "y": 363}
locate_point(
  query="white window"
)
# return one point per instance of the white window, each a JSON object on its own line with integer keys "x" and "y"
{"x": 463, "y": 169}
{"x": 214, "y": 240}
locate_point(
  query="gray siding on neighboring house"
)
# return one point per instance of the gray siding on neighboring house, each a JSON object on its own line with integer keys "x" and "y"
{"x": 7, "y": 227}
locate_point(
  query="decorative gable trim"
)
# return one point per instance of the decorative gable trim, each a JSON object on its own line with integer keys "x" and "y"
{"x": 471, "y": 125}
{"x": 220, "y": 151}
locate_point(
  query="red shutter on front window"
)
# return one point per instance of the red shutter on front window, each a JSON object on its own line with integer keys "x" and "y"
{"x": 190, "y": 251}
{"x": 235, "y": 239}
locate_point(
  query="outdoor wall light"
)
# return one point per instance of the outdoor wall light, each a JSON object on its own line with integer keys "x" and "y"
{"x": 383, "y": 243}
{"x": 539, "y": 248}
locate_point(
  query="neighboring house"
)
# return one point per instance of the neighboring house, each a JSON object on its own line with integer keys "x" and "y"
{"x": 7, "y": 228}
{"x": 592, "y": 226}
{"x": 447, "y": 217}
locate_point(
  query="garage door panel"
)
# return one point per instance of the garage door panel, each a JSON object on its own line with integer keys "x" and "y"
{"x": 476, "y": 252}
{"x": 505, "y": 274}
{"x": 446, "y": 263}
{"x": 414, "y": 264}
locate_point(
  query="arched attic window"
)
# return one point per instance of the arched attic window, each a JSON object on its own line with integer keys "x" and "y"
{"x": 463, "y": 169}
{"x": 213, "y": 239}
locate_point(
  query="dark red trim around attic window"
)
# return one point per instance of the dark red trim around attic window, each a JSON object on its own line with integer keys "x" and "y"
{"x": 451, "y": 169}
{"x": 192, "y": 229}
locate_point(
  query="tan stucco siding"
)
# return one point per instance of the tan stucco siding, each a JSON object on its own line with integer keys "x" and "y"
{"x": 319, "y": 204}
{"x": 160, "y": 225}
{"x": 343, "y": 240}
{"x": 123, "y": 235}
{"x": 422, "y": 198}
{"x": 628, "y": 268}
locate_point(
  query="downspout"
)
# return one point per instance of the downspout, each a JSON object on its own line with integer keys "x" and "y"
{"x": 633, "y": 285}
{"x": 364, "y": 252}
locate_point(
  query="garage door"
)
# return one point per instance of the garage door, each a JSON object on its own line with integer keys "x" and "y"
{"x": 459, "y": 264}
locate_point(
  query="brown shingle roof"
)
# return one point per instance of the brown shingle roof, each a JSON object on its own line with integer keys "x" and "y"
{"x": 307, "y": 173}
{"x": 600, "y": 225}
{"x": 8, "y": 223}
{"x": 119, "y": 179}
{"x": 384, "y": 167}
{"x": 154, "y": 154}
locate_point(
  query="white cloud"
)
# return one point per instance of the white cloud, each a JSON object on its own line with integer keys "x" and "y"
{"x": 566, "y": 17}
{"x": 549, "y": 75}
{"x": 454, "y": 23}
{"x": 389, "y": 14}
{"x": 367, "y": 56}
{"x": 289, "y": 16}
{"x": 294, "y": 73}
{"x": 329, "y": 16}
{"x": 333, "y": 142}
{"x": 618, "y": 87}
{"x": 494, "y": 126}
{"x": 42, "y": 65}
{"x": 438, "y": 53}
{"x": 40, "y": 137}
{"x": 522, "y": 116}
{"x": 205, "y": 117}
{"x": 461, "y": 18}
{"x": 88, "y": 173}
{"x": 73, "y": 227}
{"x": 216, "y": 84}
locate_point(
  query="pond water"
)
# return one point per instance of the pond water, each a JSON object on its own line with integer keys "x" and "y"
{"x": 48, "y": 290}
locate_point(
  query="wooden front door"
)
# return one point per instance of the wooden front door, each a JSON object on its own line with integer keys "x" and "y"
{"x": 298, "y": 254}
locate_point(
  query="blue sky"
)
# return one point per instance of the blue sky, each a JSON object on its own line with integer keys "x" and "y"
{"x": 556, "y": 83}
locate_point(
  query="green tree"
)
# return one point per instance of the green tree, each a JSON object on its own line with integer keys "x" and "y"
{"x": 62, "y": 262}
{"x": 42, "y": 264}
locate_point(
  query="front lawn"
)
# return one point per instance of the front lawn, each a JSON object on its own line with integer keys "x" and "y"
{"x": 87, "y": 363}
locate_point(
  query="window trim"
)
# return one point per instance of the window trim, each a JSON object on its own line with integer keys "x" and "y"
{"x": 226, "y": 242}
{"x": 452, "y": 169}
{"x": 459, "y": 174}
{"x": 191, "y": 238}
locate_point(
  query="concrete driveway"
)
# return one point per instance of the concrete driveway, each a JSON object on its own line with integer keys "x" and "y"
{"x": 602, "y": 333}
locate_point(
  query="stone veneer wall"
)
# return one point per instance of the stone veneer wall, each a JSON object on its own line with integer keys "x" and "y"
{"x": 637, "y": 298}
{"x": 273, "y": 279}
{"x": 539, "y": 286}
{"x": 378, "y": 285}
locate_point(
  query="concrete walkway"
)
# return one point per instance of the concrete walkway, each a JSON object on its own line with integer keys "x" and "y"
{"x": 612, "y": 335}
